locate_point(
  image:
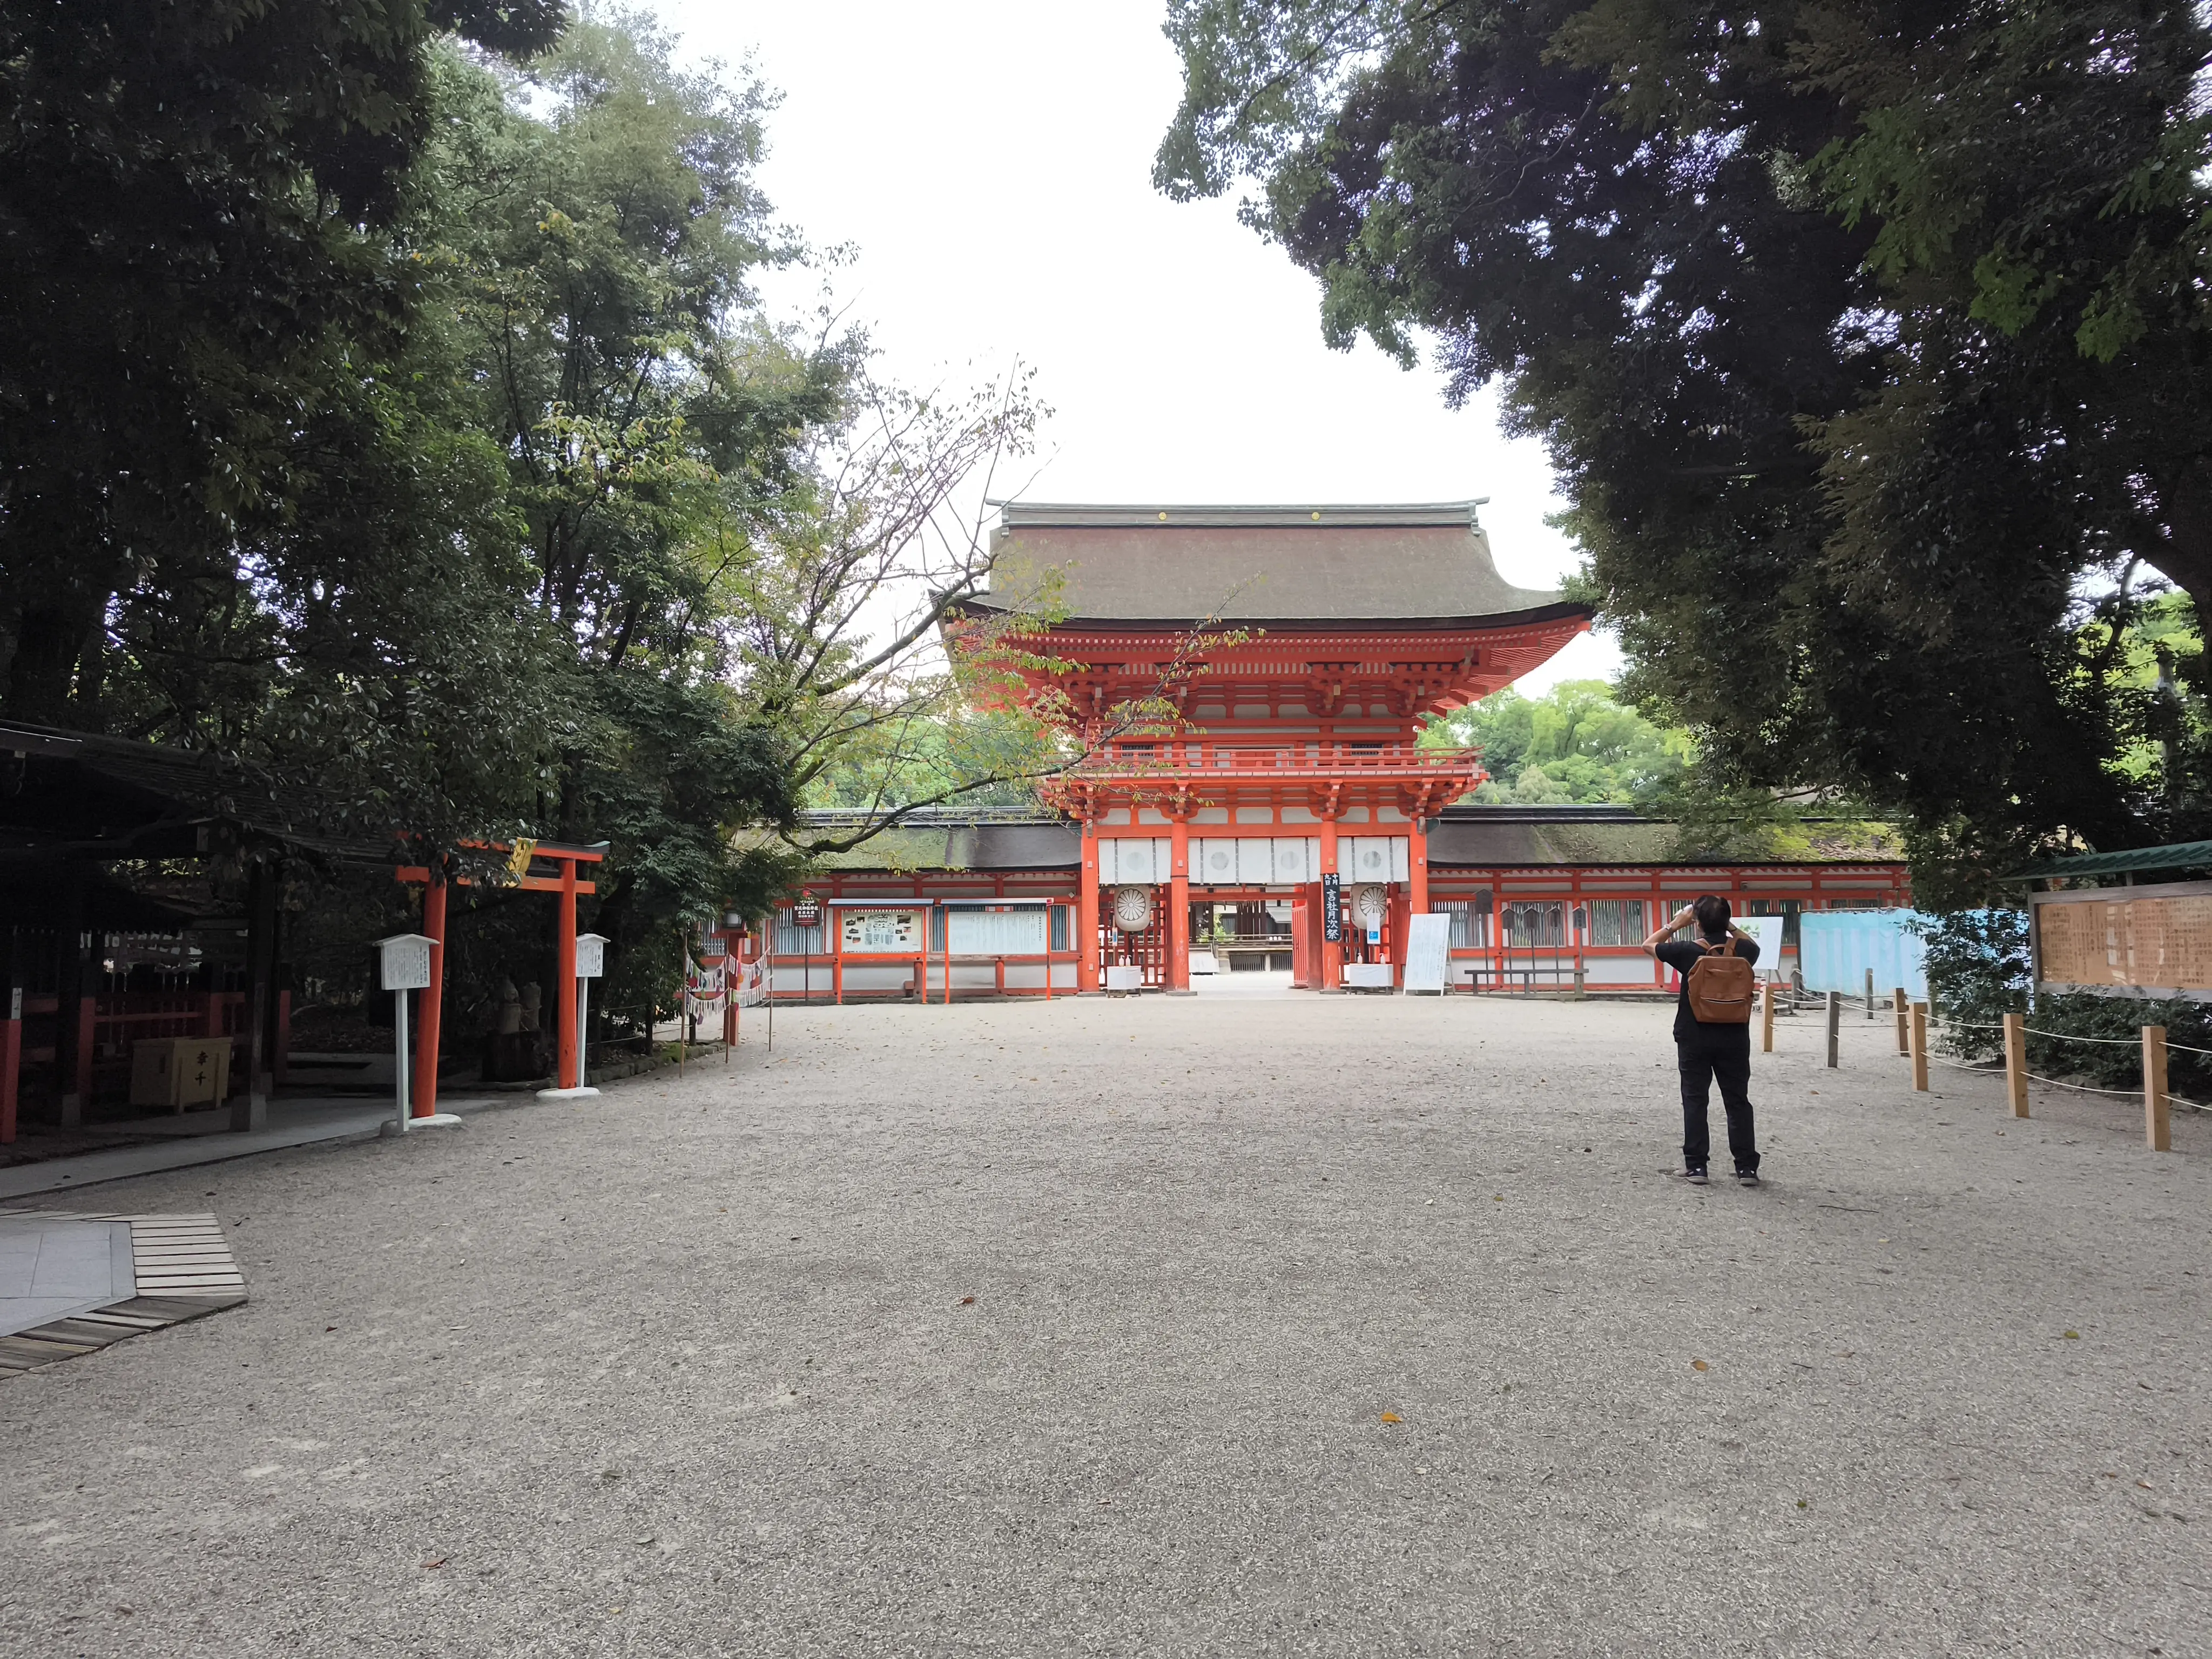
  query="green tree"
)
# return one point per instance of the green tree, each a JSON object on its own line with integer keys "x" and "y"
{"x": 1868, "y": 339}
{"x": 1576, "y": 742}
{"x": 194, "y": 209}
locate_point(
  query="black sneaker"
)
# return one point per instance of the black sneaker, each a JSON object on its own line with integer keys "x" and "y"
{"x": 1747, "y": 1178}
{"x": 1695, "y": 1174}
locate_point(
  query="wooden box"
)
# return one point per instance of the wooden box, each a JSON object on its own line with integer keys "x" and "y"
{"x": 179, "y": 1072}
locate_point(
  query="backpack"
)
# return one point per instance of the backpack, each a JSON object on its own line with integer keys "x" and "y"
{"x": 1722, "y": 987}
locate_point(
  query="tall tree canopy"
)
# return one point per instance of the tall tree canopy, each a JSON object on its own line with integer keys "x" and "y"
{"x": 1576, "y": 742}
{"x": 195, "y": 204}
{"x": 1870, "y": 340}
{"x": 384, "y": 398}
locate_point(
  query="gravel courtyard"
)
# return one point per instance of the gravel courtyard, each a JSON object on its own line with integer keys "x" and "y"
{"x": 1079, "y": 1329}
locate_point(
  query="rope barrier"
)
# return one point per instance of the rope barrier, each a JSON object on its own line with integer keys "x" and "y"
{"x": 2062, "y": 1037}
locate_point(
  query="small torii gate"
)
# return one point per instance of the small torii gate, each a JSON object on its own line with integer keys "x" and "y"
{"x": 522, "y": 857}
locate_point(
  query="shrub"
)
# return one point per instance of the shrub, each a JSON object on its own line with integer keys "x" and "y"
{"x": 2116, "y": 1062}
{"x": 1977, "y": 967}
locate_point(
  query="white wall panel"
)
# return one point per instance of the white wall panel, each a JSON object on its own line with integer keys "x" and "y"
{"x": 1293, "y": 865}
{"x": 1214, "y": 861}
{"x": 1401, "y": 857}
{"x": 1134, "y": 861}
{"x": 1255, "y": 861}
{"x": 1370, "y": 858}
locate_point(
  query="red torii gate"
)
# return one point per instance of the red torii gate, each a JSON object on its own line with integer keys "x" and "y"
{"x": 567, "y": 1073}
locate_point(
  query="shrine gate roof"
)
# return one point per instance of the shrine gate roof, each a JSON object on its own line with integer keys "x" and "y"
{"x": 1427, "y": 562}
{"x": 1468, "y": 836}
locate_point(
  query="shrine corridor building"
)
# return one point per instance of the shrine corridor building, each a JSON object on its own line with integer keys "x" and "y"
{"x": 1303, "y": 650}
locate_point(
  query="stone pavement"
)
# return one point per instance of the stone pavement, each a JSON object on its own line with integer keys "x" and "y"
{"x": 1193, "y": 1326}
{"x": 49, "y": 1269}
{"x": 292, "y": 1122}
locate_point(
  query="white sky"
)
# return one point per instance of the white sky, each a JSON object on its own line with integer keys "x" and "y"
{"x": 991, "y": 161}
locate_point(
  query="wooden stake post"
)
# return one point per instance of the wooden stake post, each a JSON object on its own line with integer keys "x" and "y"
{"x": 2157, "y": 1121}
{"x": 1920, "y": 1047}
{"x": 2015, "y": 1053}
{"x": 1835, "y": 1027}
{"x": 1870, "y": 995}
{"x": 1767, "y": 1021}
{"x": 1904, "y": 1023}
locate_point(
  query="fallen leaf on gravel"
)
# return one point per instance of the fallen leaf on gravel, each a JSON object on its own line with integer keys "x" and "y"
{"x": 1700, "y": 1365}
{"x": 1392, "y": 1417}
{"x": 435, "y": 1561}
{"x": 2071, "y": 1336}
{"x": 966, "y": 1300}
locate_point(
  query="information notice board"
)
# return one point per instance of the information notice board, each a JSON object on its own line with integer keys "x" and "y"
{"x": 2155, "y": 940}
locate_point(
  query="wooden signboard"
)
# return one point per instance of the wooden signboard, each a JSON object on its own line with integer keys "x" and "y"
{"x": 2155, "y": 940}
{"x": 880, "y": 933}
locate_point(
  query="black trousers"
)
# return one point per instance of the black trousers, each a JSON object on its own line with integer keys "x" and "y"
{"x": 1722, "y": 1055}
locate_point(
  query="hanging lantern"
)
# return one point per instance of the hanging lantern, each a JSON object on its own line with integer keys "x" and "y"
{"x": 1133, "y": 909}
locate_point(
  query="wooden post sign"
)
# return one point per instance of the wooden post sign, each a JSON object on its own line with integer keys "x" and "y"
{"x": 402, "y": 964}
{"x": 591, "y": 964}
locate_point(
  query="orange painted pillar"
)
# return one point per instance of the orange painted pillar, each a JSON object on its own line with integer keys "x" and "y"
{"x": 565, "y": 1069}
{"x": 1332, "y": 950}
{"x": 1419, "y": 867}
{"x": 87, "y": 1014}
{"x": 1086, "y": 911}
{"x": 424, "y": 1100}
{"x": 1179, "y": 908}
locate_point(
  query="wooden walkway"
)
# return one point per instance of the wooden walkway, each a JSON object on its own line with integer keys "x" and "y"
{"x": 183, "y": 1267}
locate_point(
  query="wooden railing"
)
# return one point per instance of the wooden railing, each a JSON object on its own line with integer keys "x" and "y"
{"x": 1305, "y": 760}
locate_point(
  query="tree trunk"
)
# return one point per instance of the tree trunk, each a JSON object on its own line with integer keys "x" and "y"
{"x": 2185, "y": 557}
{"x": 50, "y": 637}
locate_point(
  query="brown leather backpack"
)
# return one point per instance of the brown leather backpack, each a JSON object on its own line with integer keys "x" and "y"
{"x": 1721, "y": 986}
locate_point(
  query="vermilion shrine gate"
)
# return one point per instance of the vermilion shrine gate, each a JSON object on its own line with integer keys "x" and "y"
{"x": 1339, "y": 629}
{"x": 1301, "y": 649}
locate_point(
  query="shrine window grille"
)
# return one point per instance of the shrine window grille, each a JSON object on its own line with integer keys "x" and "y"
{"x": 1470, "y": 927}
{"x": 1788, "y": 909}
{"x": 1535, "y": 924}
{"x": 795, "y": 941}
{"x": 1617, "y": 921}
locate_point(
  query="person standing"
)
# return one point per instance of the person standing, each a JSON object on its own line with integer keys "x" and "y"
{"x": 1712, "y": 1031}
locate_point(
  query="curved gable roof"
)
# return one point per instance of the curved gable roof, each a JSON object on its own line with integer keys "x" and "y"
{"x": 1427, "y": 562}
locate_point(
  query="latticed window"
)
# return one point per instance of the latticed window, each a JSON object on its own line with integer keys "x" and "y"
{"x": 1535, "y": 924}
{"x": 1788, "y": 909}
{"x": 1617, "y": 921}
{"x": 794, "y": 941}
{"x": 1470, "y": 926}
